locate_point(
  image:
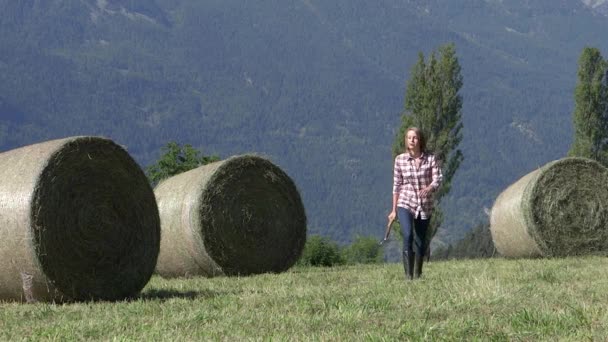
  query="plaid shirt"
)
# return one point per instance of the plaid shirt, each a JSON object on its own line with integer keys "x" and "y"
{"x": 408, "y": 181}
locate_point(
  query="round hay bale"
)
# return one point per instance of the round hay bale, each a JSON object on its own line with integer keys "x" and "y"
{"x": 78, "y": 221}
{"x": 558, "y": 210}
{"x": 239, "y": 216}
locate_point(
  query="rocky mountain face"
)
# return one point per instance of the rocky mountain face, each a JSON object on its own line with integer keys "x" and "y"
{"x": 600, "y": 6}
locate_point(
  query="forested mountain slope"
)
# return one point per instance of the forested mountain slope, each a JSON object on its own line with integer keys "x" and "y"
{"x": 315, "y": 85}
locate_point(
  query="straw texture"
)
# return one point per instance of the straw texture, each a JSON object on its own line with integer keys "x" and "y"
{"x": 239, "y": 216}
{"x": 560, "y": 209}
{"x": 78, "y": 221}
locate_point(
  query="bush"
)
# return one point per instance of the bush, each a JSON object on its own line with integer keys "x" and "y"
{"x": 364, "y": 250}
{"x": 321, "y": 251}
{"x": 476, "y": 244}
{"x": 175, "y": 160}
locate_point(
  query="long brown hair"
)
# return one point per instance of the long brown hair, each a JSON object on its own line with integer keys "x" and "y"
{"x": 421, "y": 138}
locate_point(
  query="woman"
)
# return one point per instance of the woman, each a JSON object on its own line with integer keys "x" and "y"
{"x": 416, "y": 176}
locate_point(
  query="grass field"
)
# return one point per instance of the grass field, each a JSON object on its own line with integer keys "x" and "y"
{"x": 496, "y": 299}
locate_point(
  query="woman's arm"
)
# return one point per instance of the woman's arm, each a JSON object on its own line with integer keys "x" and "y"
{"x": 436, "y": 174}
{"x": 397, "y": 184}
{"x": 392, "y": 216}
{"x": 436, "y": 178}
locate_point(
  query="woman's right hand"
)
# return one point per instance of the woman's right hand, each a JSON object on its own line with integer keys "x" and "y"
{"x": 392, "y": 216}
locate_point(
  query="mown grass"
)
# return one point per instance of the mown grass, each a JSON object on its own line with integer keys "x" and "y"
{"x": 496, "y": 299}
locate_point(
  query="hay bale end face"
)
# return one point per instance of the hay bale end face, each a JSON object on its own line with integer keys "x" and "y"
{"x": 558, "y": 210}
{"x": 78, "y": 221}
{"x": 240, "y": 216}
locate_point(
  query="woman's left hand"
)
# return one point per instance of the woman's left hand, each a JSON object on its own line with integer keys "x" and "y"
{"x": 426, "y": 192}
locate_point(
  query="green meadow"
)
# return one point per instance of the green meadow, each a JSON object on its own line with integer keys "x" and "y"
{"x": 483, "y": 299}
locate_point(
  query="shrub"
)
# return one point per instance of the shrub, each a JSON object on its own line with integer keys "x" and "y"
{"x": 364, "y": 250}
{"x": 175, "y": 160}
{"x": 476, "y": 244}
{"x": 321, "y": 251}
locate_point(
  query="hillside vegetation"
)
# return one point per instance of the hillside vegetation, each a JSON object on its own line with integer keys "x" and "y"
{"x": 315, "y": 85}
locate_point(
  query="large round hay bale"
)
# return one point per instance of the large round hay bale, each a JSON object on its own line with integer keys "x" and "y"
{"x": 560, "y": 209}
{"x": 239, "y": 216}
{"x": 78, "y": 221}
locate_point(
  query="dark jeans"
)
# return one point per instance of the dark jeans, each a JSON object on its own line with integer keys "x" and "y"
{"x": 414, "y": 231}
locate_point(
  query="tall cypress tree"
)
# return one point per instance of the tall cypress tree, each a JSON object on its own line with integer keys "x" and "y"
{"x": 591, "y": 108}
{"x": 432, "y": 103}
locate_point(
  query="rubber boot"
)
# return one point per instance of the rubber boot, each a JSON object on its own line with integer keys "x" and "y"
{"x": 418, "y": 268}
{"x": 408, "y": 265}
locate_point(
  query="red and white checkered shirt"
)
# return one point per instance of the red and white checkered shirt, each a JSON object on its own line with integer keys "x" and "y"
{"x": 409, "y": 180}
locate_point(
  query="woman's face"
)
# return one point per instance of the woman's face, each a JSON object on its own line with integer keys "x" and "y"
{"x": 412, "y": 141}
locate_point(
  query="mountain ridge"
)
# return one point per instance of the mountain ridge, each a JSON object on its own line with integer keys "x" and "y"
{"x": 317, "y": 86}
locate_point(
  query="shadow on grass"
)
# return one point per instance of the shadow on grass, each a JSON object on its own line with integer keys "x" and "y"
{"x": 149, "y": 295}
{"x": 163, "y": 295}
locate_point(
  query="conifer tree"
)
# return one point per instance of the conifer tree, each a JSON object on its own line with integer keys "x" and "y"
{"x": 591, "y": 108}
{"x": 432, "y": 103}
